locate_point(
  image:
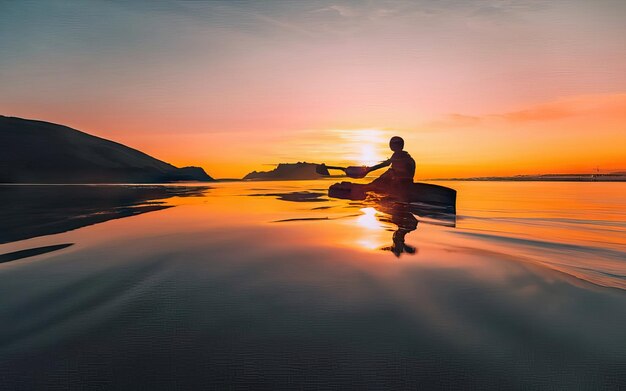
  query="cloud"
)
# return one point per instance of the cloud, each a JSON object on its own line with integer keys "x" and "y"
{"x": 343, "y": 10}
{"x": 605, "y": 105}
{"x": 457, "y": 120}
{"x": 601, "y": 106}
{"x": 290, "y": 27}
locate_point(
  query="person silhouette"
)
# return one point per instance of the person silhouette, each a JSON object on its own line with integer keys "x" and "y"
{"x": 401, "y": 172}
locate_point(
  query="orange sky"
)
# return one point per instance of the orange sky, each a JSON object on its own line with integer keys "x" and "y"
{"x": 476, "y": 88}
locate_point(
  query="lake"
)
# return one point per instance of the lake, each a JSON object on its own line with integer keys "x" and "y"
{"x": 273, "y": 285}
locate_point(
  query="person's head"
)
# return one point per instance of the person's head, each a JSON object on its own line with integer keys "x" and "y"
{"x": 396, "y": 144}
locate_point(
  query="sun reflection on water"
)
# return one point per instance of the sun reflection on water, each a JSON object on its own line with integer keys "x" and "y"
{"x": 368, "y": 219}
{"x": 370, "y": 222}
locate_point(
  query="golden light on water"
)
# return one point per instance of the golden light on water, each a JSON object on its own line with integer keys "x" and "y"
{"x": 369, "y": 221}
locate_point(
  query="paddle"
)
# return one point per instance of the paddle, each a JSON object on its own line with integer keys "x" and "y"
{"x": 352, "y": 171}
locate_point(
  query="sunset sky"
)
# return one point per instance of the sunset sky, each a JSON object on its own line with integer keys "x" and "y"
{"x": 476, "y": 88}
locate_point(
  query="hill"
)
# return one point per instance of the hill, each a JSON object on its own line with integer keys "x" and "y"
{"x": 42, "y": 152}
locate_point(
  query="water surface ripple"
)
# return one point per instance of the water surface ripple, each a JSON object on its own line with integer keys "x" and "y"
{"x": 235, "y": 287}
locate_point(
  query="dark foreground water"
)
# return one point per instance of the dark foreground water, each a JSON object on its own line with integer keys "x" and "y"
{"x": 271, "y": 285}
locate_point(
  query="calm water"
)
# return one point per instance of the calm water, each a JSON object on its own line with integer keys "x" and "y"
{"x": 271, "y": 285}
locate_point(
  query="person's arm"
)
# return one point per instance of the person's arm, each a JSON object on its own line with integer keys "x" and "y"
{"x": 379, "y": 165}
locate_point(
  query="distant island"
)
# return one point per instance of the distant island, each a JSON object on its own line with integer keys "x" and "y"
{"x": 42, "y": 152}
{"x": 609, "y": 177}
{"x": 285, "y": 171}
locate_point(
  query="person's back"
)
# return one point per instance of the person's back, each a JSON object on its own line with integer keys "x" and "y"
{"x": 403, "y": 166}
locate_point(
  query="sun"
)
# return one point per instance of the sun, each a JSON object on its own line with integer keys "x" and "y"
{"x": 366, "y": 146}
{"x": 369, "y": 156}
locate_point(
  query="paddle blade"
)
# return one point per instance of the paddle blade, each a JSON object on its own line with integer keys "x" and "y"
{"x": 356, "y": 171}
{"x": 321, "y": 169}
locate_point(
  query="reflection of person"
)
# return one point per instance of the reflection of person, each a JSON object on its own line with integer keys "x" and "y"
{"x": 406, "y": 222}
{"x": 402, "y": 168}
{"x": 399, "y": 246}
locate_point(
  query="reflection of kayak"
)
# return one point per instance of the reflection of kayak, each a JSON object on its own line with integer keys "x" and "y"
{"x": 422, "y": 193}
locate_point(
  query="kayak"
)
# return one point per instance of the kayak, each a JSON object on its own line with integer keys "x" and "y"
{"x": 420, "y": 193}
